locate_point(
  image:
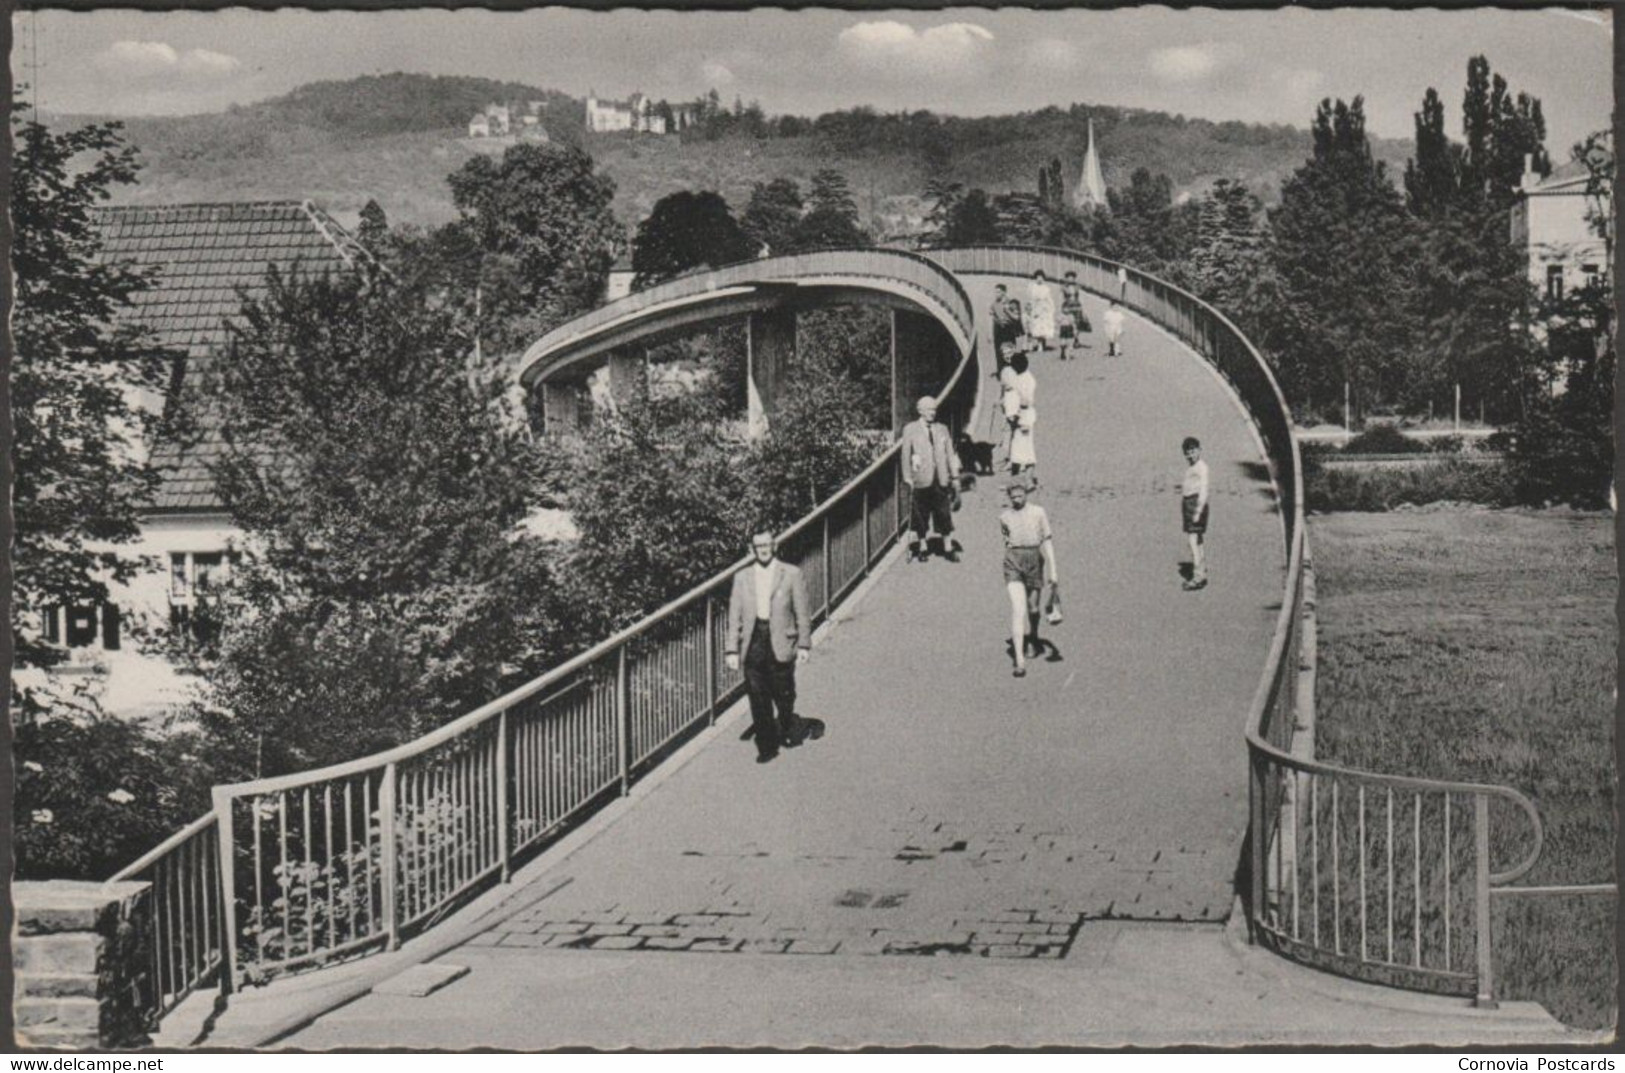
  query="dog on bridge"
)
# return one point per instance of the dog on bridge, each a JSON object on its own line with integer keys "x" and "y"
{"x": 974, "y": 458}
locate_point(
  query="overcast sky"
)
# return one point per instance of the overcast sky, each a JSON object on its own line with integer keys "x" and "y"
{"x": 1248, "y": 65}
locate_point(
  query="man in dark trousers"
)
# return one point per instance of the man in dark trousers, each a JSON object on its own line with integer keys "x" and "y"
{"x": 1007, "y": 326}
{"x": 931, "y": 468}
{"x": 770, "y": 619}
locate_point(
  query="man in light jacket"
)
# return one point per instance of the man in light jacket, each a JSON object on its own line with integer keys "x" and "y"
{"x": 770, "y": 619}
{"x": 931, "y": 468}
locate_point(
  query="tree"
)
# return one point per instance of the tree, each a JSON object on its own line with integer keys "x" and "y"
{"x": 972, "y": 220}
{"x": 1021, "y": 219}
{"x": 1433, "y": 177}
{"x": 773, "y": 214}
{"x": 374, "y": 228}
{"x": 1229, "y": 246}
{"x": 386, "y": 586}
{"x": 1344, "y": 251}
{"x": 534, "y": 242}
{"x": 832, "y": 215}
{"x": 79, "y": 478}
{"x": 88, "y": 787}
{"x": 686, "y": 230}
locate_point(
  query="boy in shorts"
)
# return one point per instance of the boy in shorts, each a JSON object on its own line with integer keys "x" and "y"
{"x": 1029, "y": 561}
{"x": 1193, "y": 509}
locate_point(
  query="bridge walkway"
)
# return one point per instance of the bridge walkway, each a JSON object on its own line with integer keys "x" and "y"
{"x": 951, "y": 808}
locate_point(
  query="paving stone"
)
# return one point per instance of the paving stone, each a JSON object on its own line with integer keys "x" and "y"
{"x": 765, "y": 946}
{"x": 567, "y": 941}
{"x": 1009, "y": 950}
{"x": 598, "y": 916}
{"x": 666, "y": 942}
{"x": 638, "y": 919}
{"x": 716, "y": 946}
{"x": 616, "y": 942}
{"x": 525, "y": 939}
{"x": 663, "y": 931}
{"x": 689, "y": 919}
{"x": 609, "y": 929}
{"x": 560, "y": 928}
{"x": 812, "y": 946}
{"x": 1011, "y": 915}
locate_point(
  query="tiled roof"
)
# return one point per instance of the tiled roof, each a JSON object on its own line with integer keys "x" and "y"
{"x": 208, "y": 256}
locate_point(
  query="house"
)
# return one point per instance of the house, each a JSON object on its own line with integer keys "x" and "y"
{"x": 510, "y": 119}
{"x": 619, "y": 282}
{"x": 205, "y": 255}
{"x": 1552, "y": 221}
{"x": 637, "y": 113}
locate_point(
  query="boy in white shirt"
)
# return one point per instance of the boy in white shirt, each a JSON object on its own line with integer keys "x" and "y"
{"x": 1194, "y": 501}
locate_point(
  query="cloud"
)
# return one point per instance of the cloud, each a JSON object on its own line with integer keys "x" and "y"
{"x": 1052, "y": 53}
{"x": 1185, "y": 63}
{"x": 206, "y": 61}
{"x": 1297, "y": 81}
{"x": 149, "y": 59}
{"x": 138, "y": 57}
{"x": 894, "y": 48}
{"x": 716, "y": 74}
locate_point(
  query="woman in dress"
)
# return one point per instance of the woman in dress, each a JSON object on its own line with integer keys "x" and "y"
{"x": 1041, "y": 311}
{"x": 1074, "y": 321}
{"x": 1024, "y": 388}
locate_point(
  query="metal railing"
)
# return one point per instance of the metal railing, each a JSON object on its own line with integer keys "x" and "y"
{"x": 185, "y": 925}
{"x": 892, "y": 268}
{"x": 346, "y": 860}
{"x": 1379, "y": 877}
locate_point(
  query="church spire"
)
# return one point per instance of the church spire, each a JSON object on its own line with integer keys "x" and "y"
{"x": 1091, "y": 189}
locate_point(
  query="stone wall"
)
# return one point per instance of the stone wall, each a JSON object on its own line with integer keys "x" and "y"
{"x": 81, "y": 955}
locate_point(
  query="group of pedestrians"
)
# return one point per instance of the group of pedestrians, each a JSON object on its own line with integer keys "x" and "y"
{"x": 769, "y": 625}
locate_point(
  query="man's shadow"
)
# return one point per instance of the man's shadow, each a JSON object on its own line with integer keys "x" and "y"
{"x": 807, "y": 729}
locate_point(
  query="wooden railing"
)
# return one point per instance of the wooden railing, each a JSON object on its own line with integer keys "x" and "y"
{"x": 346, "y": 860}
{"x": 1380, "y": 877}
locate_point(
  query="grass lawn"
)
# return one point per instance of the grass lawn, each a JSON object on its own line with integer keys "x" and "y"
{"x": 1478, "y": 644}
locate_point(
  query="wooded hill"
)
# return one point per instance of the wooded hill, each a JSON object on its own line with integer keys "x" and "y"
{"x": 395, "y": 138}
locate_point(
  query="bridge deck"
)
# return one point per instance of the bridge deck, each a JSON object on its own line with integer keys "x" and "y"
{"x": 1109, "y": 783}
{"x": 950, "y": 806}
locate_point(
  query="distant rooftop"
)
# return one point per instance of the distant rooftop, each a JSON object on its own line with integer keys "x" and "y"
{"x": 209, "y": 256}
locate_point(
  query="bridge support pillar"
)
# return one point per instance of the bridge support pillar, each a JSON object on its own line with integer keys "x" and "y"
{"x": 562, "y": 402}
{"x": 923, "y": 356}
{"x": 770, "y": 350}
{"x": 628, "y": 375}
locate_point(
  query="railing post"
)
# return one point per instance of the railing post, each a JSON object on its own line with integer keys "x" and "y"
{"x": 1485, "y": 997}
{"x": 504, "y": 848}
{"x": 711, "y": 656}
{"x": 623, "y": 719}
{"x": 1255, "y": 800}
{"x": 226, "y": 835}
{"x": 389, "y": 864}
{"x": 829, "y": 578}
{"x": 867, "y": 550}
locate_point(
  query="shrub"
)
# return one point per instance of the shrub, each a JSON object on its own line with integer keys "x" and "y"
{"x": 1446, "y": 445}
{"x": 1383, "y": 440}
{"x": 1377, "y": 489}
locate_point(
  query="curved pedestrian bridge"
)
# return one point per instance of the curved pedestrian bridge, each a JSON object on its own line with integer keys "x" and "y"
{"x": 951, "y": 806}
{"x": 1092, "y": 815}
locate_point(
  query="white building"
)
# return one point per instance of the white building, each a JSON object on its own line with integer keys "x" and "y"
{"x": 1553, "y": 221}
{"x": 203, "y": 254}
{"x": 636, "y": 113}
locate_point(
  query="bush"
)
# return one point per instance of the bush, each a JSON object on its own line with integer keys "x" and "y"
{"x": 1383, "y": 440}
{"x": 1449, "y": 479}
{"x": 93, "y": 792}
{"x": 1446, "y": 445}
